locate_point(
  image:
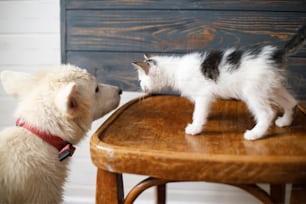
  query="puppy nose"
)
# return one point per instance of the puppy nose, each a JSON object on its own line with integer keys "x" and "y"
{"x": 119, "y": 91}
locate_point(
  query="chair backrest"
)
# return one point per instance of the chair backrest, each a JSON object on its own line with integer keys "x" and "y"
{"x": 106, "y": 36}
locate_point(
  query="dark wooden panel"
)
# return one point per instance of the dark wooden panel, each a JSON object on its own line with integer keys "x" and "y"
{"x": 177, "y": 31}
{"x": 63, "y": 30}
{"x": 297, "y": 77}
{"x": 187, "y": 4}
{"x": 115, "y": 68}
{"x": 110, "y": 68}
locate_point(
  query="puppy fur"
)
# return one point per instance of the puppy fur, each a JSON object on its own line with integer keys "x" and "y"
{"x": 62, "y": 101}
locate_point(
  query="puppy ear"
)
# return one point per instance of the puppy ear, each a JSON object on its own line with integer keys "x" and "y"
{"x": 143, "y": 66}
{"x": 17, "y": 84}
{"x": 66, "y": 99}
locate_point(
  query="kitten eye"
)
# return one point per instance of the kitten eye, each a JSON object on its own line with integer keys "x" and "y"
{"x": 149, "y": 61}
{"x": 97, "y": 89}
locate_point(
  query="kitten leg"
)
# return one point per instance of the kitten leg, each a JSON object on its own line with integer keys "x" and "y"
{"x": 200, "y": 113}
{"x": 286, "y": 101}
{"x": 264, "y": 114}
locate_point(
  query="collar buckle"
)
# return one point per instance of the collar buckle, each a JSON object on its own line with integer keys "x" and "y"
{"x": 67, "y": 151}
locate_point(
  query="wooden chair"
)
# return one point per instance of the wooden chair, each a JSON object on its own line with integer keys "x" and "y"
{"x": 146, "y": 136}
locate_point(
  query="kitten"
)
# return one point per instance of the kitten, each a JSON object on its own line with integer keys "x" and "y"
{"x": 254, "y": 76}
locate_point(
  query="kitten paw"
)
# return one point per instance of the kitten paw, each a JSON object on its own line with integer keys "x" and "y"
{"x": 251, "y": 135}
{"x": 282, "y": 122}
{"x": 192, "y": 129}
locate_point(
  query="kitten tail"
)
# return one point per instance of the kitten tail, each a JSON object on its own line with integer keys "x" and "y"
{"x": 296, "y": 42}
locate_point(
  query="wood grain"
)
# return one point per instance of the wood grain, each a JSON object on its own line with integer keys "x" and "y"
{"x": 112, "y": 68}
{"x": 109, "y": 187}
{"x": 295, "y": 5}
{"x": 177, "y": 31}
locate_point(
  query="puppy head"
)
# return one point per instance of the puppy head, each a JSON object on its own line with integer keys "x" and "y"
{"x": 59, "y": 98}
{"x": 81, "y": 94}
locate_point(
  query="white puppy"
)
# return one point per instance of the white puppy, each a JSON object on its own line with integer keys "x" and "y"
{"x": 55, "y": 111}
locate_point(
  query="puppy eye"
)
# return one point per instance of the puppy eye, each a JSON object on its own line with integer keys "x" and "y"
{"x": 97, "y": 89}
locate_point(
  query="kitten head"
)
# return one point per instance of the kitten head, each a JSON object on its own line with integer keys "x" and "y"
{"x": 148, "y": 74}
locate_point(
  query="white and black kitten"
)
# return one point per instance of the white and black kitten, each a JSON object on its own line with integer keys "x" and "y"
{"x": 254, "y": 76}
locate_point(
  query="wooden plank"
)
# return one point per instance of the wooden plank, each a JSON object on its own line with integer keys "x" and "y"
{"x": 297, "y": 77}
{"x": 63, "y": 31}
{"x": 116, "y": 69}
{"x": 110, "y": 68}
{"x": 29, "y": 68}
{"x": 29, "y": 49}
{"x": 296, "y": 5}
{"x": 29, "y": 17}
{"x": 177, "y": 30}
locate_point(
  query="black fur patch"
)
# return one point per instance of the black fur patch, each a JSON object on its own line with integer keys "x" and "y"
{"x": 278, "y": 57}
{"x": 235, "y": 59}
{"x": 210, "y": 65}
{"x": 255, "y": 51}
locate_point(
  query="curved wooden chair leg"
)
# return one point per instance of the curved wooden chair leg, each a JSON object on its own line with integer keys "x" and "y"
{"x": 142, "y": 186}
{"x": 257, "y": 192}
{"x": 252, "y": 189}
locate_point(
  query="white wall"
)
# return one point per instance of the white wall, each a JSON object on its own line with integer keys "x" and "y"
{"x": 30, "y": 41}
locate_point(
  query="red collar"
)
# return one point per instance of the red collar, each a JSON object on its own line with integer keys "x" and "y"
{"x": 65, "y": 148}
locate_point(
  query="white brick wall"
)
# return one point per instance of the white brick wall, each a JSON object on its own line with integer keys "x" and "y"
{"x": 30, "y": 41}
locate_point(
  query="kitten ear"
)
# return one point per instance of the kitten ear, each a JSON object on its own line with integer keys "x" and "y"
{"x": 147, "y": 56}
{"x": 142, "y": 65}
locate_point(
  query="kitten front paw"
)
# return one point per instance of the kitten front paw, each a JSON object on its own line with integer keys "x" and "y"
{"x": 252, "y": 135}
{"x": 192, "y": 129}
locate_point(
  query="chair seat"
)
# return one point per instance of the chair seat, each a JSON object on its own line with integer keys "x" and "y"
{"x": 146, "y": 136}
